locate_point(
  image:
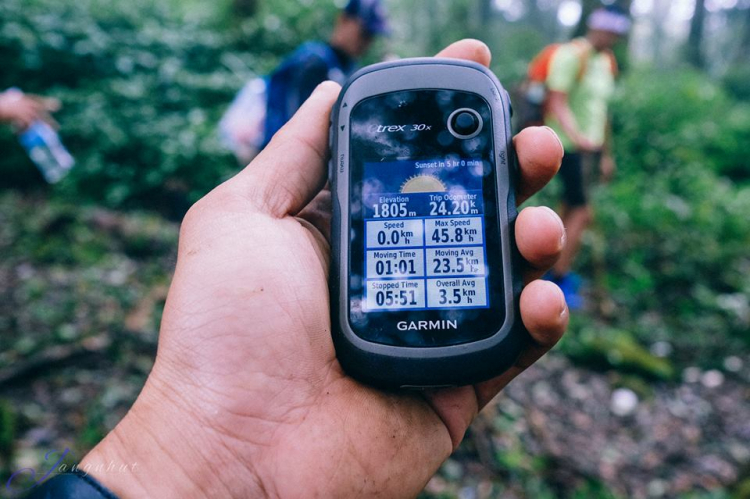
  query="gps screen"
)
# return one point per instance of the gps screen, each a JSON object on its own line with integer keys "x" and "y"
{"x": 424, "y": 235}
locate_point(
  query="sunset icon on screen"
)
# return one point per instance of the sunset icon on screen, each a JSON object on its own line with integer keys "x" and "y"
{"x": 422, "y": 183}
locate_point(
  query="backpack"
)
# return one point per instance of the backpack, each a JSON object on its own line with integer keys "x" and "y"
{"x": 533, "y": 91}
{"x": 263, "y": 105}
{"x": 242, "y": 127}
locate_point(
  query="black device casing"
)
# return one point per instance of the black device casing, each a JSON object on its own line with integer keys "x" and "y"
{"x": 398, "y": 366}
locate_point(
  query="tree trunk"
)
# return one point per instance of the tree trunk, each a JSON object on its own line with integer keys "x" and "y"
{"x": 743, "y": 54}
{"x": 587, "y": 7}
{"x": 244, "y": 8}
{"x": 695, "y": 38}
{"x": 622, "y": 49}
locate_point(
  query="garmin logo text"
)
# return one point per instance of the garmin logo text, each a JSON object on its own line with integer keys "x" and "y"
{"x": 418, "y": 325}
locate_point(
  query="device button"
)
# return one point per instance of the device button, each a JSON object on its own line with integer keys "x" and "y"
{"x": 464, "y": 123}
{"x": 510, "y": 104}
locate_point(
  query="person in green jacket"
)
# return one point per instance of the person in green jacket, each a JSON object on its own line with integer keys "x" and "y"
{"x": 580, "y": 83}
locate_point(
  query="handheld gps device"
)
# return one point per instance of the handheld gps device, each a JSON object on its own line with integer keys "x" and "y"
{"x": 424, "y": 277}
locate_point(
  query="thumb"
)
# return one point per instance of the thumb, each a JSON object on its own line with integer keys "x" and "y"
{"x": 292, "y": 169}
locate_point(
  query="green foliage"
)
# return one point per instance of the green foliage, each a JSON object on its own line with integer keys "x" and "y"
{"x": 143, "y": 84}
{"x": 735, "y": 81}
{"x": 8, "y": 427}
{"x": 675, "y": 223}
{"x": 143, "y": 88}
{"x": 603, "y": 348}
{"x": 742, "y": 489}
{"x": 76, "y": 272}
{"x": 593, "y": 490}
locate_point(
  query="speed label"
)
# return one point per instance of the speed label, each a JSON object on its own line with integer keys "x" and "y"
{"x": 395, "y": 234}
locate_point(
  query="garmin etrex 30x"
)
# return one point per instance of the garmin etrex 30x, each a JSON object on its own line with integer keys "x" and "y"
{"x": 424, "y": 277}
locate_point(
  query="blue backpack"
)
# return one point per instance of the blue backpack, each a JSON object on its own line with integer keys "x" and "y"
{"x": 265, "y": 104}
{"x": 282, "y": 99}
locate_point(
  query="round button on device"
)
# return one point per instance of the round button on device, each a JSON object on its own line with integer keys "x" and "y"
{"x": 465, "y": 123}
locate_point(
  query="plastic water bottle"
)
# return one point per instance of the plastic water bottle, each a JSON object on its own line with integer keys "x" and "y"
{"x": 43, "y": 145}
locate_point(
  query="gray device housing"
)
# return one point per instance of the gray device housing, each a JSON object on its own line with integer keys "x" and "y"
{"x": 455, "y": 365}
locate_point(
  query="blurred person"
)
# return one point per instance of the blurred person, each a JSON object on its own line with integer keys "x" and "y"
{"x": 266, "y": 104}
{"x": 580, "y": 83}
{"x": 246, "y": 397}
{"x": 22, "y": 110}
{"x": 31, "y": 118}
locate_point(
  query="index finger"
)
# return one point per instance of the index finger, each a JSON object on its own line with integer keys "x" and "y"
{"x": 539, "y": 153}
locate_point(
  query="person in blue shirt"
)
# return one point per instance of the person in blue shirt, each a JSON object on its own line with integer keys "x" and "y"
{"x": 312, "y": 63}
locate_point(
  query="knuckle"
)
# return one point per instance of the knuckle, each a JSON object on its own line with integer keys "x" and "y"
{"x": 192, "y": 219}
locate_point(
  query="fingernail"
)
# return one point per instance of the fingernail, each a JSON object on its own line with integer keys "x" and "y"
{"x": 559, "y": 142}
{"x": 550, "y": 213}
{"x": 563, "y": 304}
{"x": 324, "y": 85}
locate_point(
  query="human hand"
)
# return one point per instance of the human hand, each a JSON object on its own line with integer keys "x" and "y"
{"x": 607, "y": 167}
{"x": 23, "y": 109}
{"x": 246, "y": 397}
{"x": 585, "y": 145}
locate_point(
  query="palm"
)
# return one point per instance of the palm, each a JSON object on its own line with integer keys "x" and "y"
{"x": 281, "y": 373}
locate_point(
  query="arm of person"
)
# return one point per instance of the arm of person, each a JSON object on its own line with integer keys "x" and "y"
{"x": 557, "y": 105}
{"x": 563, "y": 77}
{"x": 23, "y": 109}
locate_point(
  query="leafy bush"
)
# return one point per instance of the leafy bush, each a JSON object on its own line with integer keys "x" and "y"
{"x": 675, "y": 223}
{"x": 142, "y": 87}
{"x": 735, "y": 81}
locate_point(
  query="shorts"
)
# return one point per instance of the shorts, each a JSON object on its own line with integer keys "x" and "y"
{"x": 573, "y": 173}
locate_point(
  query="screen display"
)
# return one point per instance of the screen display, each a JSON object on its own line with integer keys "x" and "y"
{"x": 424, "y": 257}
{"x": 424, "y": 244}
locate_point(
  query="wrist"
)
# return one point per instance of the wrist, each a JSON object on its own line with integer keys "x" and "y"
{"x": 581, "y": 144}
{"x": 161, "y": 449}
